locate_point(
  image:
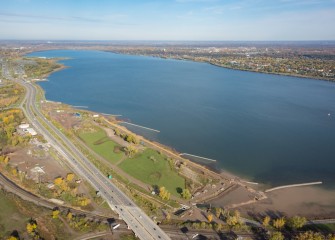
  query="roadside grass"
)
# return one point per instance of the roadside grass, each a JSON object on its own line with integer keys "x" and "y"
{"x": 152, "y": 168}
{"x": 102, "y": 145}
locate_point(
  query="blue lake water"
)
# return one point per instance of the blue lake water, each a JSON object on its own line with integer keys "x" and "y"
{"x": 269, "y": 128}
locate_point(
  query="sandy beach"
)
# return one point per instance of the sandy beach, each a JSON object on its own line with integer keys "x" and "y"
{"x": 310, "y": 201}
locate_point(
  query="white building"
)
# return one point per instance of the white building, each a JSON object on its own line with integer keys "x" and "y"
{"x": 31, "y": 131}
{"x": 24, "y": 126}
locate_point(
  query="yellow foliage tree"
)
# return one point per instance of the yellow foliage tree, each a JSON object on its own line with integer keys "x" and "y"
{"x": 14, "y": 172}
{"x": 12, "y": 238}
{"x": 31, "y": 227}
{"x": 69, "y": 177}
{"x": 210, "y": 217}
{"x": 84, "y": 201}
{"x": 58, "y": 181}
{"x": 6, "y": 160}
{"x": 55, "y": 213}
{"x": 266, "y": 221}
{"x": 69, "y": 215}
{"x": 279, "y": 223}
{"x": 164, "y": 194}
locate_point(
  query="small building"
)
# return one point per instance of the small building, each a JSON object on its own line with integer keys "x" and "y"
{"x": 96, "y": 115}
{"x": 24, "y": 126}
{"x": 31, "y": 131}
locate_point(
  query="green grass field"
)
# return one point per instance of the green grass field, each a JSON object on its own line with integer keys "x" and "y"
{"x": 102, "y": 145}
{"x": 10, "y": 217}
{"x": 151, "y": 167}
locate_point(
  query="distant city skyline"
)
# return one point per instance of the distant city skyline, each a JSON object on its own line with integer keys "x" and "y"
{"x": 178, "y": 20}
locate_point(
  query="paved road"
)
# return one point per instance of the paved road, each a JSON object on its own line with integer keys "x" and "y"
{"x": 135, "y": 218}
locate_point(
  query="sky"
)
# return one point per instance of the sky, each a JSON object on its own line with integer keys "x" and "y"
{"x": 188, "y": 20}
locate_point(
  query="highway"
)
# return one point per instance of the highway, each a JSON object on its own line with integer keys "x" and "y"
{"x": 135, "y": 218}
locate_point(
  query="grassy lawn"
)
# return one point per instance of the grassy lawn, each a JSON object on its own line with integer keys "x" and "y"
{"x": 10, "y": 217}
{"x": 102, "y": 145}
{"x": 151, "y": 167}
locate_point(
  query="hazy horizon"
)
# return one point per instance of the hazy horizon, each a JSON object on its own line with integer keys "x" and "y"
{"x": 168, "y": 20}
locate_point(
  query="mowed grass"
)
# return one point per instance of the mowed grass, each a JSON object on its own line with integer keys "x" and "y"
{"x": 100, "y": 143}
{"x": 10, "y": 217}
{"x": 152, "y": 168}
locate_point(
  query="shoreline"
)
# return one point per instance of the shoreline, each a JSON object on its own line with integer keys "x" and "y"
{"x": 285, "y": 201}
{"x": 221, "y": 170}
{"x": 227, "y": 67}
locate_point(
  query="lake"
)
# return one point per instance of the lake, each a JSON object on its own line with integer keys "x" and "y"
{"x": 268, "y": 128}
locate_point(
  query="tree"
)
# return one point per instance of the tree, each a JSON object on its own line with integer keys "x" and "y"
{"x": 69, "y": 177}
{"x": 296, "y": 222}
{"x": 186, "y": 194}
{"x": 130, "y": 150}
{"x": 266, "y": 221}
{"x": 58, "y": 181}
{"x": 331, "y": 237}
{"x": 69, "y": 215}
{"x": 233, "y": 219}
{"x": 218, "y": 227}
{"x": 276, "y": 236}
{"x": 210, "y": 217}
{"x": 218, "y": 212}
{"x": 163, "y": 193}
{"x": 279, "y": 223}
{"x": 117, "y": 132}
{"x": 55, "y": 213}
{"x": 12, "y": 238}
{"x": 31, "y": 227}
{"x": 309, "y": 235}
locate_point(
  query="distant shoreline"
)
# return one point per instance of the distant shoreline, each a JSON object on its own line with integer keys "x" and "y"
{"x": 226, "y": 67}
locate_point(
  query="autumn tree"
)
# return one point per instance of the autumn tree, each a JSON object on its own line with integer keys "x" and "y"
{"x": 32, "y": 227}
{"x": 186, "y": 194}
{"x": 218, "y": 212}
{"x": 330, "y": 237}
{"x": 130, "y": 150}
{"x": 55, "y": 213}
{"x": 69, "y": 215}
{"x": 296, "y": 222}
{"x": 309, "y": 235}
{"x": 276, "y": 236}
{"x": 234, "y": 219}
{"x": 69, "y": 177}
{"x": 266, "y": 221}
{"x": 210, "y": 217}
{"x": 58, "y": 181}
{"x": 279, "y": 223}
{"x": 12, "y": 238}
{"x": 164, "y": 194}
